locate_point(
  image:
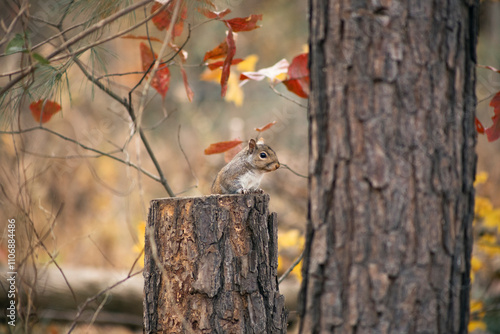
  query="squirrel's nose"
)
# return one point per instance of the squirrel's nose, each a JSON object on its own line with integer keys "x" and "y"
{"x": 277, "y": 165}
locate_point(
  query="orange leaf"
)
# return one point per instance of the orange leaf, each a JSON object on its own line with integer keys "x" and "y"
{"x": 217, "y": 64}
{"x": 265, "y": 127}
{"x": 226, "y": 68}
{"x": 153, "y": 39}
{"x": 218, "y": 52}
{"x": 189, "y": 91}
{"x": 49, "y": 108}
{"x": 161, "y": 80}
{"x": 163, "y": 19}
{"x": 222, "y": 146}
{"x": 244, "y": 23}
{"x": 298, "y": 76}
{"x": 213, "y": 14}
{"x": 147, "y": 56}
{"x": 479, "y": 126}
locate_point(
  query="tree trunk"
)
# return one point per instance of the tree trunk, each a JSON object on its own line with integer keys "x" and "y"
{"x": 211, "y": 266}
{"x": 392, "y": 165}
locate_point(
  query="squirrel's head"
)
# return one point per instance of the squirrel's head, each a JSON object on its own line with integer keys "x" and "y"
{"x": 263, "y": 157}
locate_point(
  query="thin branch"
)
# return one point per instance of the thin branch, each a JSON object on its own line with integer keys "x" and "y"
{"x": 109, "y": 38}
{"x": 131, "y": 112}
{"x": 24, "y": 72}
{"x": 88, "y": 148}
{"x": 185, "y": 156}
{"x": 289, "y": 270}
{"x": 286, "y": 97}
{"x": 13, "y": 23}
{"x": 93, "y": 298}
{"x": 294, "y": 172}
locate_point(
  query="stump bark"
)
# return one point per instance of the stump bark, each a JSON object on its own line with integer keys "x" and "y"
{"x": 211, "y": 266}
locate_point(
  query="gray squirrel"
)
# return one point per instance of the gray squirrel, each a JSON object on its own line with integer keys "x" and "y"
{"x": 242, "y": 175}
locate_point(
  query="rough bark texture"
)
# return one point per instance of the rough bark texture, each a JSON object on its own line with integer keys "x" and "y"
{"x": 212, "y": 267}
{"x": 392, "y": 165}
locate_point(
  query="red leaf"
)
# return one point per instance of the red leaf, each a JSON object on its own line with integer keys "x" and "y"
{"x": 217, "y": 64}
{"x": 495, "y": 101}
{"x": 226, "y": 68}
{"x": 298, "y": 76}
{"x": 153, "y": 39}
{"x": 163, "y": 19}
{"x": 213, "y": 14}
{"x": 222, "y": 146}
{"x": 244, "y": 23}
{"x": 49, "y": 108}
{"x": 189, "y": 91}
{"x": 218, "y": 52}
{"x": 161, "y": 80}
{"x": 147, "y": 57}
{"x": 265, "y": 127}
{"x": 479, "y": 126}
{"x": 493, "y": 132}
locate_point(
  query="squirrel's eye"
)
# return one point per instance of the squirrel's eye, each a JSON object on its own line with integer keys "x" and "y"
{"x": 263, "y": 155}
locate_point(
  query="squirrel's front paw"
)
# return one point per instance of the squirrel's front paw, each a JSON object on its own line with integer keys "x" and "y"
{"x": 250, "y": 191}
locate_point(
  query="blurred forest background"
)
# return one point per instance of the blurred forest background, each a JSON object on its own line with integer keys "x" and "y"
{"x": 90, "y": 210}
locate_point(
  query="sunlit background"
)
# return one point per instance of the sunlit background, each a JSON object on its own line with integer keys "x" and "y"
{"x": 89, "y": 210}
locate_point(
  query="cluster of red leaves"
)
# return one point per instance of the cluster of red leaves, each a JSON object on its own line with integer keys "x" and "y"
{"x": 225, "y": 146}
{"x": 227, "y": 49}
{"x": 43, "y": 110}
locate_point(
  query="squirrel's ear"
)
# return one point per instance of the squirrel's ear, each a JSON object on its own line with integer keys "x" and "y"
{"x": 260, "y": 141}
{"x": 251, "y": 145}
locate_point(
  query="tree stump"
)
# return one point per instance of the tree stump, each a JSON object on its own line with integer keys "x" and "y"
{"x": 211, "y": 266}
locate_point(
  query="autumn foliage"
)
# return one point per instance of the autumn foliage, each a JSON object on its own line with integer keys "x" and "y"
{"x": 219, "y": 60}
{"x": 43, "y": 110}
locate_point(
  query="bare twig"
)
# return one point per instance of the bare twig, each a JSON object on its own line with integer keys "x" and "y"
{"x": 25, "y": 71}
{"x": 185, "y": 156}
{"x": 93, "y": 298}
{"x": 286, "y": 97}
{"x": 13, "y": 23}
{"x": 294, "y": 172}
{"x": 88, "y": 148}
{"x": 109, "y": 38}
{"x": 289, "y": 270}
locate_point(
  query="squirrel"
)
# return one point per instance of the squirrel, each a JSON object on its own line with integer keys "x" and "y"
{"x": 242, "y": 175}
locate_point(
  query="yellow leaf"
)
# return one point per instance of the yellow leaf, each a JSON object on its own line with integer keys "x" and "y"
{"x": 234, "y": 92}
{"x": 139, "y": 246}
{"x": 290, "y": 238}
{"x": 476, "y": 308}
{"x": 481, "y": 178}
{"x": 476, "y": 325}
{"x": 213, "y": 76}
{"x": 476, "y": 264}
{"x": 248, "y": 65}
{"x": 492, "y": 218}
{"x": 482, "y": 206}
{"x": 488, "y": 244}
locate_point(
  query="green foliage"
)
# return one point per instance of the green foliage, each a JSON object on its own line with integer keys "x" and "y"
{"x": 15, "y": 45}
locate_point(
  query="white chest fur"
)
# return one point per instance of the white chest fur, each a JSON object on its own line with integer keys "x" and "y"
{"x": 250, "y": 180}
